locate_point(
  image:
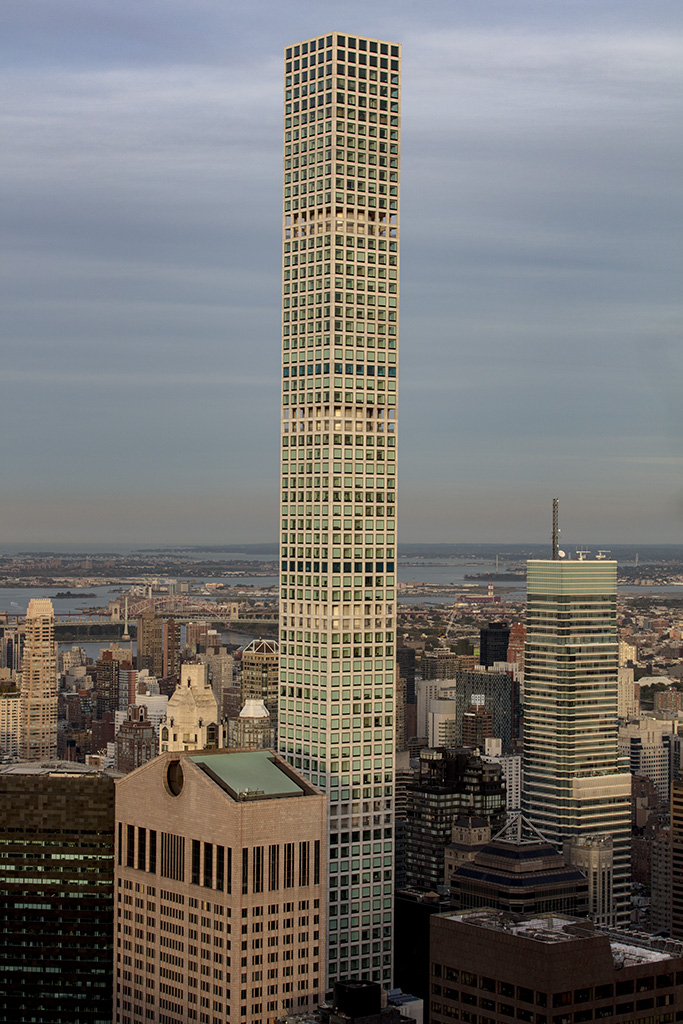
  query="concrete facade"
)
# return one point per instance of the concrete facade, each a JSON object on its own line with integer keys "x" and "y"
{"x": 338, "y": 588}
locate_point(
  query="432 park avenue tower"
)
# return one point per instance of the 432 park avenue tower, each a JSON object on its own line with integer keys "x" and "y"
{"x": 340, "y": 242}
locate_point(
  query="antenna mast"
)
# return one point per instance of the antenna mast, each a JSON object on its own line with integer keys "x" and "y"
{"x": 556, "y": 529}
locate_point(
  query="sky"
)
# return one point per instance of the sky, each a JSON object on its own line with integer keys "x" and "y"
{"x": 541, "y": 267}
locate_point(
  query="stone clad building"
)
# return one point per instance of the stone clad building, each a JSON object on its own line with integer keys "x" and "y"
{"x": 220, "y": 888}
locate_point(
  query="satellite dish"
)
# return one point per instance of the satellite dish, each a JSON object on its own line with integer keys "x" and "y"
{"x": 561, "y": 553}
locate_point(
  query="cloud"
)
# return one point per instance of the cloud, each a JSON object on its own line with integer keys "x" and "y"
{"x": 541, "y": 257}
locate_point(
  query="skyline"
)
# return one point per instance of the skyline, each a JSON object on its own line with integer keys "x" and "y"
{"x": 541, "y": 197}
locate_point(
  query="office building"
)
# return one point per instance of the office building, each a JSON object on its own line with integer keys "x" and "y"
{"x": 573, "y": 782}
{"x": 253, "y": 728}
{"x": 628, "y": 703}
{"x": 660, "y": 882}
{"x": 511, "y": 766}
{"x": 106, "y": 689}
{"x": 338, "y": 496}
{"x": 469, "y": 834}
{"x": 414, "y": 910}
{"x": 451, "y": 783}
{"x": 56, "y": 898}
{"x": 260, "y": 674}
{"x": 645, "y": 745}
{"x": 493, "y": 643}
{"x": 549, "y": 967}
{"x": 477, "y": 726}
{"x": 171, "y": 647}
{"x": 594, "y": 856}
{"x": 223, "y": 854}
{"x": 495, "y": 690}
{"x": 10, "y": 715}
{"x": 519, "y": 876}
{"x": 676, "y": 853}
{"x": 220, "y": 669}
{"x": 38, "y": 730}
{"x": 150, "y": 644}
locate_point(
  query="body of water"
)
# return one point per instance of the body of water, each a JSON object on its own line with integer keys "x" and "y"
{"x": 449, "y": 572}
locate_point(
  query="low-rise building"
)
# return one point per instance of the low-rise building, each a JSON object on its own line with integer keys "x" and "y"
{"x": 549, "y": 969}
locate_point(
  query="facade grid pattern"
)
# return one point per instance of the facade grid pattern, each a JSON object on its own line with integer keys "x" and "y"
{"x": 338, "y": 486}
{"x": 574, "y": 783}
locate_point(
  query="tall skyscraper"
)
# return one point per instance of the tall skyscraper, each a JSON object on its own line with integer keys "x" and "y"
{"x": 340, "y": 240}
{"x": 38, "y": 739}
{"x": 574, "y": 785}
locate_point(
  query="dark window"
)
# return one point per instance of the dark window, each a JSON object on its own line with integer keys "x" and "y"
{"x": 130, "y": 846}
{"x": 220, "y": 868}
{"x": 153, "y": 851}
{"x": 196, "y": 855}
{"x": 289, "y": 866}
{"x": 273, "y": 868}
{"x": 208, "y": 865}
{"x": 257, "y": 869}
{"x": 142, "y": 849}
{"x": 316, "y": 862}
{"x": 304, "y": 865}
{"x": 245, "y": 872}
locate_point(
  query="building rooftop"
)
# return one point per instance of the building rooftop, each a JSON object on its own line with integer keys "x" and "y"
{"x": 559, "y": 928}
{"x": 54, "y": 768}
{"x": 251, "y": 774}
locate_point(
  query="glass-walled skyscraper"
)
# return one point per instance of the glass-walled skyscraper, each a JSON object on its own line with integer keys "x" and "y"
{"x": 340, "y": 241}
{"x": 574, "y": 785}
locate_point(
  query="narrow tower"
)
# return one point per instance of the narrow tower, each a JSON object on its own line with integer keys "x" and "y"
{"x": 38, "y": 738}
{"x": 340, "y": 237}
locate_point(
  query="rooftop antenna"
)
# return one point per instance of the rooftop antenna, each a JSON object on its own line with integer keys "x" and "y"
{"x": 602, "y": 554}
{"x": 126, "y": 635}
{"x": 556, "y": 529}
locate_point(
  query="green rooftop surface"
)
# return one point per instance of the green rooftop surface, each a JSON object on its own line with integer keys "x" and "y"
{"x": 250, "y": 771}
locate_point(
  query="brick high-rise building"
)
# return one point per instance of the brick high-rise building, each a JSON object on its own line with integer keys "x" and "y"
{"x": 106, "y": 688}
{"x": 136, "y": 741}
{"x": 223, "y": 856}
{"x": 38, "y": 730}
{"x": 171, "y": 647}
{"x": 340, "y": 240}
{"x": 150, "y": 644}
{"x": 676, "y": 847}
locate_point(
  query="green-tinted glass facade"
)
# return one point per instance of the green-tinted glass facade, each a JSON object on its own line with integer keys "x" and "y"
{"x": 574, "y": 784}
